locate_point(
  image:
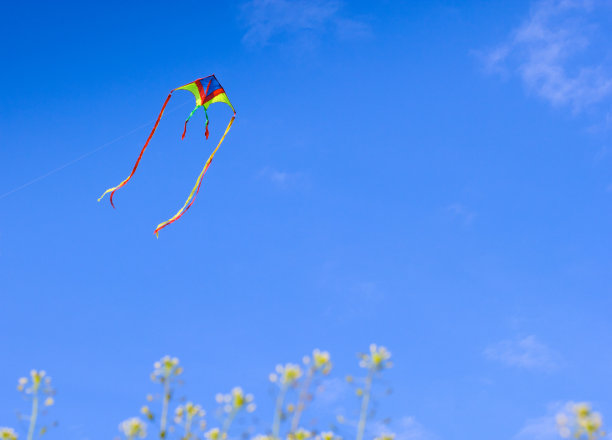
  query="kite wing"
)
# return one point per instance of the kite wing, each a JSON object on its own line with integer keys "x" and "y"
{"x": 206, "y": 91}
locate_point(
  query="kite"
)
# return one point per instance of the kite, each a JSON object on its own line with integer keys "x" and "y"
{"x": 206, "y": 92}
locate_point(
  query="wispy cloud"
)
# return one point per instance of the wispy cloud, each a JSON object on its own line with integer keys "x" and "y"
{"x": 559, "y": 54}
{"x": 267, "y": 19}
{"x": 527, "y": 353}
{"x": 283, "y": 179}
{"x": 405, "y": 428}
{"x": 540, "y": 428}
{"x": 462, "y": 212}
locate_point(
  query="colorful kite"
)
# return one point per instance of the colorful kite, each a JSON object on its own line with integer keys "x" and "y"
{"x": 206, "y": 92}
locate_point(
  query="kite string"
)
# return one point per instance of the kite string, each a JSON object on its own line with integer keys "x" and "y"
{"x": 196, "y": 188}
{"x": 82, "y": 156}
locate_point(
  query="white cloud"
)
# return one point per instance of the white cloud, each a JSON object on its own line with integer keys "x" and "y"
{"x": 266, "y": 19}
{"x": 331, "y": 393}
{"x": 405, "y": 428}
{"x": 527, "y": 353}
{"x": 461, "y": 211}
{"x": 283, "y": 179}
{"x": 558, "y": 55}
{"x": 541, "y": 428}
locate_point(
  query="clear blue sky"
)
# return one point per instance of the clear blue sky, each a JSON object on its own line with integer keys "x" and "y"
{"x": 433, "y": 176}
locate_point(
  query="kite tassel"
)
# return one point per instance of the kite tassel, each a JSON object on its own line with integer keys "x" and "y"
{"x": 187, "y": 120}
{"x": 184, "y": 131}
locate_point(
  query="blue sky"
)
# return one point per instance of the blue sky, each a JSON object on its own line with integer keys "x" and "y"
{"x": 434, "y": 176}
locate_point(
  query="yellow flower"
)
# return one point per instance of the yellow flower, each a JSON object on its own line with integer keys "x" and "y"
{"x": 165, "y": 369}
{"x": 194, "y": 410}
{"x": 7, "y": 434}
{"x": 300, "y": 434}
{"x": 49, "y": 401}
{"x": 591, "y": 423}
{"x": 377, "y": 360}
{"x": 321, "y": 360}
{"x": 328, "y": 435}
{"x": 236, "y": 400}
{"x": 133, "y": 427}
{"x": 215, "y": 434}
{"x": 37, "y": 377}
{"x": 39, "y": 381}
{"x": 263, "y": 437}
{"x": 582, "y": 409}
{"x": 579, "y": 420}
{"x": 287, "y": 374}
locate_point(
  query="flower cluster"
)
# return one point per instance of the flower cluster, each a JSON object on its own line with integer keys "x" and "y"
{"x": 188, "y": 411}
{"x": 328, "y": 435}
{"x": 377, "y": 359}
{"x": 7, "y": 434}
{"x": 166, "y": 369}
{"x": 579, "y": 420}
{"x": 300, "y": 434}
{"x": 286, "y": 375}
{"x": 215, "y": 434}
{"x": 38, "y": 382}
{"x": 133, "y": 427}
{"x": 236, "y": 400}
{"x": 320, "y": 361}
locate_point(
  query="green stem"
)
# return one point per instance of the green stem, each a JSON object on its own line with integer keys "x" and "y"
{"x": 164, "y": 415}
{"x": 188, "y": 427}
{"x": 33, "y": 416}
{"x": 364, "y": 405}
{"x": 302, "y": 401}
{"x": 227, "y": 423}
{"x": 278, "y": 411}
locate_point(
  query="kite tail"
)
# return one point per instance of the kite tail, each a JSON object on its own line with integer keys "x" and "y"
{"x": 206, "y": 132}
{"x": 112, "y": 190}
{"x": 187, "y": 120}
{"x": 196, "y": 188}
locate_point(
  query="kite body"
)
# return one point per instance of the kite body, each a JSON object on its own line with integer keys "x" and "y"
{"x": 206, "y": 91}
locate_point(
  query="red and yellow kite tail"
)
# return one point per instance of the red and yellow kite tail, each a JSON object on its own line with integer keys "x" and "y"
{"x": 112, "y": 190}
{"x": 196, "y": 188}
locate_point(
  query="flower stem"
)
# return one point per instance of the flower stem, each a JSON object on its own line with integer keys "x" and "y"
{"x": 188, "y": 427}
{"x": 164, "y": 415}
{"x": 278, "y": 412}
{"x": 302, "y": 401}
{"x": 364, "y": 405}
{"x": 33, "y": 416}
{"x": 227, "y": 423}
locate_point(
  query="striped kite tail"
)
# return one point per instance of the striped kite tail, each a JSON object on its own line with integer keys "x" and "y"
{"x": 196, "y": 188}
{"x": 112, "y": 190}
